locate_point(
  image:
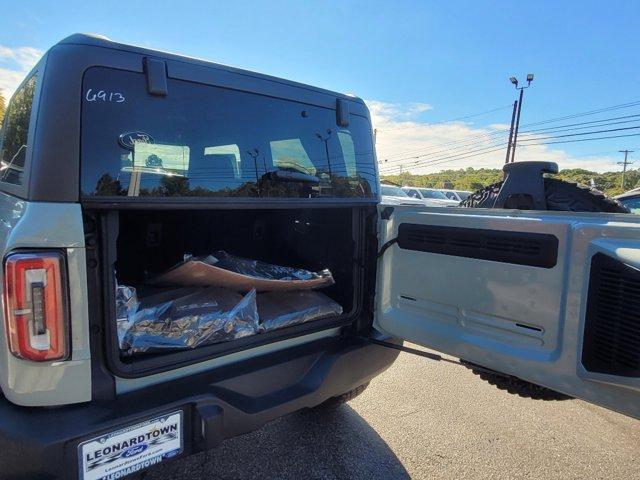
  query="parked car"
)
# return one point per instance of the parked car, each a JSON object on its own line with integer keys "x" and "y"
{"x": 119, "y": 163}
{"x": 394, "y": 195}
{"x": 430, "y": 197}
{"x": 456, "y": 195}
{"x": 631, "y": 200}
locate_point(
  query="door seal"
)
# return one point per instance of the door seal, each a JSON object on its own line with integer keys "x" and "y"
{"x": 386, "y": 245}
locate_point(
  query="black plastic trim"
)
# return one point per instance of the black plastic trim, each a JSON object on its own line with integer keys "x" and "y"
{"x": 192, "y": 203}
{"x": 156, "y": 71}
{"x": 218, "y": 404}
{"x": 611, "y": 342}
{"x": 342, "y": 113}
{"x": 520, "y": 248}
{"x": 102, "y": 381}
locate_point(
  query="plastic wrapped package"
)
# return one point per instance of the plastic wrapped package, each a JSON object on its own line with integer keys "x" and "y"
{"x": 225, "y": 270}
{"x": 126, "y": 306}
{"x": 259, "y": 269}
{"x": 283, "y": 309}
{"x": 209, "y": 315}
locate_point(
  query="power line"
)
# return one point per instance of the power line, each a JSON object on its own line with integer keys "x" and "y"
{"x": 488, "y": 149}
{"x": 391, "y": 171}
{"x": 446, "y": 150}
{"x": 584, "y": 114}
{"x": 582, "y": 125}
{"x": 498, "y": 132}
{"x": 466, "y": 141}
{"x": 584, "y": 133}
{"x": 450, "y": 158}
{"x": 473, "y": 115}
{"x": 582, "y": 140}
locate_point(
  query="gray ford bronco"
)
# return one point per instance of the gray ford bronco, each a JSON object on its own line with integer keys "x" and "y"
{"x": 120, "y": 164}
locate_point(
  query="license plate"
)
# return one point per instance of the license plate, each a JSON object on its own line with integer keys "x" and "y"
{"x": 131, "y": 449}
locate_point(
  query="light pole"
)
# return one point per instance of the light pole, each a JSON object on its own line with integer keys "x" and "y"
{"x": 517, "y": 107}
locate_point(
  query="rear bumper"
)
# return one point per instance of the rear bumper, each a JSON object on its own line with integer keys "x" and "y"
{"x": 42, "y": 443}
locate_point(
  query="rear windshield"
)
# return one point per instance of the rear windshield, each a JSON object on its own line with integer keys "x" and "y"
{"x": 205, "y": 141}
{"x": 433, "y": 194}
{"x": 392, "y": 191}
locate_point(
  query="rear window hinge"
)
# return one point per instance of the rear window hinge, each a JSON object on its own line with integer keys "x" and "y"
{"x": 156, "y": 71}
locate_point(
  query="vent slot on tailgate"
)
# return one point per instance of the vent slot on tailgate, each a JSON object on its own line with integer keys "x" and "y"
{"x": 520, "y": 248}
{"x": 612, "y": 324}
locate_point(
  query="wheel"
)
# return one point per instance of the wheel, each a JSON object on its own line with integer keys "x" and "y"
{"x": 340, "y": 399}
{"x": 560, "y": 196}
{"x": 515, "y": 385}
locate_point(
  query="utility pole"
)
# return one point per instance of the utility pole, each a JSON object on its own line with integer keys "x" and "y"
{"x": 513, "y": 119}
{"x": 624, "y": 164}
{"x": 515, "y": 133}
{"x": 514, "y": 80}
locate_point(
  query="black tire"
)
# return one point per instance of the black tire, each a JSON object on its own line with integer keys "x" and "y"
{"x": 560, "y": 196}
{"x": 340, "y": 399}
{"x": 516, "y": 386}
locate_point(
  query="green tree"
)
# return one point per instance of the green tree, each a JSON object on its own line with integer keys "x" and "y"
{"x": 2, "y": 107}
{"x": 474, "y": 179}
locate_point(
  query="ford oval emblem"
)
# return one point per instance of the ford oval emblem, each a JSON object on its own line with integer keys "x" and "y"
{"x": 135, "y": 450}
{"x": 127, "y": 139}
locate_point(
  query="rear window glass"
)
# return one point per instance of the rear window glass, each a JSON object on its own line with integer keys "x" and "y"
{"x": 201, "y": 140}
{"x": 433, "y": 194}
{"x": 13, "y": 151}
{"x": 392, "y": 191}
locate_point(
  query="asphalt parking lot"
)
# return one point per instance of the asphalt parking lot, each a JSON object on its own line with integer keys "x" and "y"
{"x": 425, "y": 420}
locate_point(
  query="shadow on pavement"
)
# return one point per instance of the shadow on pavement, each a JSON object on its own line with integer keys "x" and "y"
{"x": 333, "y": 444}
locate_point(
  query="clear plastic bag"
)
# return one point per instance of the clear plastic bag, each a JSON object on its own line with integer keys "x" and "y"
{"x": 209, "y": 315}
{"x": 259, "y": 269}
{"x": 126, "y": 306}
{"x": 283, "y": 309}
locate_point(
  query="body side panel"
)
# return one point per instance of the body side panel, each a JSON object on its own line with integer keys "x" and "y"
{"x": 33, "y": 225}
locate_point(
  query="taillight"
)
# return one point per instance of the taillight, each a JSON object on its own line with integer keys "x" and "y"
{"x": 35, "y": 305}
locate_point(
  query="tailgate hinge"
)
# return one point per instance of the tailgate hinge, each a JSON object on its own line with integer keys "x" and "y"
{"x": 429, "y": 355}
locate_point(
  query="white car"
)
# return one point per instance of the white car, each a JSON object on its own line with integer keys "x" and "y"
{"x": 394, "y": 195}
{"x": 457, "y": 195}
{"x": 430, "y": 197}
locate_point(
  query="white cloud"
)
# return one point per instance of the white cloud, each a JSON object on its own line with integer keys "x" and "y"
{"x": 15, "y": 63}
{"x": 420, "y": 147}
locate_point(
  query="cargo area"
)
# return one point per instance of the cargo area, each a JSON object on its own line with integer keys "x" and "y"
{"x": 138, "y": 246}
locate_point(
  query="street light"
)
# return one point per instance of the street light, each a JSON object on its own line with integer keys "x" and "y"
{"x": 515, "y": 117}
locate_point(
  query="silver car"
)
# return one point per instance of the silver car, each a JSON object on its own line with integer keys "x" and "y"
{"x": 430, "y": 197}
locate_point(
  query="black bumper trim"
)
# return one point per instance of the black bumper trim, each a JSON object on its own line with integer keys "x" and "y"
{"x": 217, "y": 405}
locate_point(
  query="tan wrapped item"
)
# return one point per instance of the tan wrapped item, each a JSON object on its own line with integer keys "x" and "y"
{"x": 229, "y": 271}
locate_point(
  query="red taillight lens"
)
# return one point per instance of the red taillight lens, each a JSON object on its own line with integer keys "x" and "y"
{"x": 35, "y": 305}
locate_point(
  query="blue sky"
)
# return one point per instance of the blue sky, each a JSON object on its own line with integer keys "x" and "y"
{"x": 414, "y": 62}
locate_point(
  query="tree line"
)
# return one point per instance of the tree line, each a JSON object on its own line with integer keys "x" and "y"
{"x": 473, "y": 179}
{"x": 2, "y": 107}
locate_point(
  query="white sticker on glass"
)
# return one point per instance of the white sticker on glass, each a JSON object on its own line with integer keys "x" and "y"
{"x": 103, "y": 96}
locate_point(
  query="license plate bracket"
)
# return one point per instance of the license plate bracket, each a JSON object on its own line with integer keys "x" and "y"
{"x": 132, "y": 448}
